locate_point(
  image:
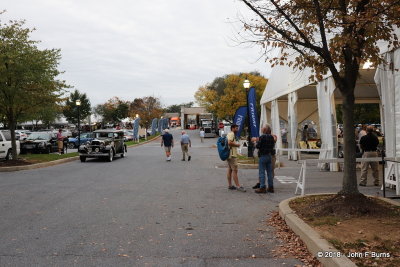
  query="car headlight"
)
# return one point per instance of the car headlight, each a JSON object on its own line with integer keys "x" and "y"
{"x": 96, "y": 149}
{"x": 42, "y": 144}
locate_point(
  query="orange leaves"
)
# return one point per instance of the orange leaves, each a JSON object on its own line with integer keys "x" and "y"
{"x": 226, "y": 94}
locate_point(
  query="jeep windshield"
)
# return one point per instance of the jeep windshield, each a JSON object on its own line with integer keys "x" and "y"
{"x": 39, "y": 136}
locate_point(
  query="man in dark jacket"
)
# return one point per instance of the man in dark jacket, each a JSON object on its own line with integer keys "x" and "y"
{"x": 369, "y": 144}
{"x": 265, "y": 146}
{"x": 167, "y": 141}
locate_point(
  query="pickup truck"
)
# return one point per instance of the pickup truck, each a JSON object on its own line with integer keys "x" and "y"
{"x": 5, "y": 145}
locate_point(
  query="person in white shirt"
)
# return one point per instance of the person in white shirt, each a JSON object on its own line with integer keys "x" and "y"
{"x": 202, "y": 133}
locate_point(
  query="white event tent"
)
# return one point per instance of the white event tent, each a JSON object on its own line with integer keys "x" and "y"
{"x": 289, "y": 96}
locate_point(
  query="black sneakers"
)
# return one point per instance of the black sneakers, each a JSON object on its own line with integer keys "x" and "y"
{"x": 232, "y": 187}
{"x": 189, "y": 158}
{"x": 256, "y": 186}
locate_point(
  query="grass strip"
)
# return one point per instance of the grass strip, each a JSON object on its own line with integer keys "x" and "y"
{"x": 37, "y": 158}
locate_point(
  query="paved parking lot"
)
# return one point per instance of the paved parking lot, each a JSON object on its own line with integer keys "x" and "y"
{"x": 142, "y": 210}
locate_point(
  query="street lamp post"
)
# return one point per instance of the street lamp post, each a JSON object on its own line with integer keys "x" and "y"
{"x": 246, "y": 85}
{"x": 78, "y": 104}
{"x": 137, "y": 116}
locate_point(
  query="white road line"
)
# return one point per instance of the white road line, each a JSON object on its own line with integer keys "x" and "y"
{"x": 286, "y": 179}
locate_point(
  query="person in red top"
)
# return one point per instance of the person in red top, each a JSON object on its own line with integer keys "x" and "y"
{"x": 60, "y": 142}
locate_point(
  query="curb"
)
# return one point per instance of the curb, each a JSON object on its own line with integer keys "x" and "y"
{"x": 314, "y": 242}
{"x": 38, "y": 165}
{"x": 55, "y": 162}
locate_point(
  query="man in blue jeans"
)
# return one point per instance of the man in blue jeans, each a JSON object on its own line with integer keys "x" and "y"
{"x": 265, "y": 145}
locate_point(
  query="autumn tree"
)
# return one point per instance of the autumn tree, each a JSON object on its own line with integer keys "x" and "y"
{"x": 225, "y": 94}
{"x": 330, "y": 37}
{"x": 70, "y": 110}
{"x": 28, "y": 76}
{"x": 147, "y": 108}
{"x": 113, "y": 111}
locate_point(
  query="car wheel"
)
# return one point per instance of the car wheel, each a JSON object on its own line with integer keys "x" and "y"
{"x": 110, "y": 156}
{"x": 82, "y": 158}
{"x": 9, "y": 155}
{"x": 71, "y": 145}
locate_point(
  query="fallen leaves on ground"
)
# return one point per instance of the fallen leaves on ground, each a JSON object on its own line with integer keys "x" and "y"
{"x": 292, "y": 244}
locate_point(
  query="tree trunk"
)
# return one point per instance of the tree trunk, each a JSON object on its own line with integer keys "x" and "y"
{"x": 350, "y": 186}
{"x": 12, "y": 125}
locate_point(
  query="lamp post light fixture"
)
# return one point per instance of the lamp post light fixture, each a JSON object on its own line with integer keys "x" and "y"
{"x": 137, "y": 136}
{"x": 78, "y": 104}
{"x": 246, "y": 85}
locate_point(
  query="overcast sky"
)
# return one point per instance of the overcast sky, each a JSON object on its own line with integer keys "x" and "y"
{"x": 136, "y": 48}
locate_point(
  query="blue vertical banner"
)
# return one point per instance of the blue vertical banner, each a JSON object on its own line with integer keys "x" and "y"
{"x": 159, "y": 125}
{"x": 153, "y": 127}
{"x": 136, "y": 128}
{"x": 239, "y": 118}
{"x": 252, "y": 108}
{"x": 165, "y": 126}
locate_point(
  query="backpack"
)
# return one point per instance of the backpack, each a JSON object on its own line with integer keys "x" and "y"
{"x": 223, "y": 148}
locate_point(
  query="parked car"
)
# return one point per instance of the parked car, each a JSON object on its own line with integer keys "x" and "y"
{"x": 128, "y": 135}
{"x": 73, "y": 142}
{"x": 5, "y": 145}
{"x": 23, "y": 134}
{"x": 40, "y": 142}
{"x": 106, "y": 144}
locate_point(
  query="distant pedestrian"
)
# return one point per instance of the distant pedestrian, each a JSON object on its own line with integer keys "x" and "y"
{"x": 167, "y": 141}
{"x": 202, "y": 134}
{"x": 185, "y": 144}
{"x": 362, "y": 132}
{"x": 60, "y": 141}
{"x": 369, "y": 144}
{"x": 304, "y": 134}
{"x": 232, "y": 160}
{"x": 266, "y": 151}
{"x": 284, "y": 133}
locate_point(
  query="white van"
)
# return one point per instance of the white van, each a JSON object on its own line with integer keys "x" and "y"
{"x": 5, "y": 145}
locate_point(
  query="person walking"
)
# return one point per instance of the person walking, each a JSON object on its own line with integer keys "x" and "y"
{"x": 60, "y": 141}
{"x": 167, "y": 141}
{"x": 185, "y": 144}
{"x": 304, "y": 135}
{"x": 202, "y": 134}
{"x": 232, "y": 160}
{"x": 369, "y": 144}
{"x": 265, "y": 146}
{"x": 267, "y": 130}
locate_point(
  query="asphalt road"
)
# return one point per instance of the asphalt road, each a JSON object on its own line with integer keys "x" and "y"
{"x": 137, "y": 211}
